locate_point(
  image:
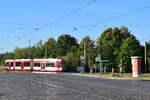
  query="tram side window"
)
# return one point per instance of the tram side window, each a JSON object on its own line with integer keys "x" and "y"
{"x": 11, "y": 64}
{"x": 37, "y": 64}
{"x": 18, "y": 63}
{"x": 27, "y": 64}
{"x": 50, "y": 64}
{"x": 7, "y": 64}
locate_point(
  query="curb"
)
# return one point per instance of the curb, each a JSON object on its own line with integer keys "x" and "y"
{"x": 112, "y": 78}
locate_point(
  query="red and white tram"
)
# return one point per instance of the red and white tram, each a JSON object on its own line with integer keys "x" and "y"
{"x": 52, "y": 64}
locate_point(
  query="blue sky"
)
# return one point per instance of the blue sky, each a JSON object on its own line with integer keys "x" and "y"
{"x": 19, "y": 18}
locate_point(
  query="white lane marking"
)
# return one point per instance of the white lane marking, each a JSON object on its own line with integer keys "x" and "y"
{"x": 52, "y": 85}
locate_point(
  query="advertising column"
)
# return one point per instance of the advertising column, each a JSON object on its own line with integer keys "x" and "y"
{"x": 136, "y": 66}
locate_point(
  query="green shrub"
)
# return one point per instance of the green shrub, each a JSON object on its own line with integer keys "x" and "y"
{"x": 115, "y": 75}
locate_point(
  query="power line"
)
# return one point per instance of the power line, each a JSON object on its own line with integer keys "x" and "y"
{"x": 64, "y": 16}
{"x": 112, "y": 18}
{"x": 70, "y": 13}
{"x": 86, "y": 26}
{"x": 91, "y": 25}
{"x": 124, "y": 14}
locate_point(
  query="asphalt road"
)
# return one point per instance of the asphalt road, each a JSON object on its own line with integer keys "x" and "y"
{"x": 63, "y": 86}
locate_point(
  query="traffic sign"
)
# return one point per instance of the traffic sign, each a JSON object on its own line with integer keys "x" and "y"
{"x": 82, "y": 58}
{"x": 98, "y": 58}
{"x": 105, "y": 61}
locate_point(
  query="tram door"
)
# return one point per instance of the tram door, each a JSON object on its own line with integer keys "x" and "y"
{"x": 22, "y": 65}
{"x": 42, "y": 65}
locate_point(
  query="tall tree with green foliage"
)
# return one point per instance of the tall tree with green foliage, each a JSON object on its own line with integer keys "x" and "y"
{"x": 5, "y": 56}
{"x": 148, "y": 55}
{"x": 88, "y": 45}
{"x": 50, "y": 45}
{"x": 20, "y": 53}
{"x": 38, "y": 50}
{"x": 109, "y": 42}
{"x": 130, "y": 47}
{"x": 65, "y": 43}
{"x": 71, "y": 61}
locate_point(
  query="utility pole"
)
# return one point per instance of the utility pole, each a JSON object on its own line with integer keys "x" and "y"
{"x": 90, "y": 64}
{"x": 29, "y": 56}
{"x": 89, "y": 60}
{"x": 29, "y": 50}
{"x": 1, "y": 57}
{"x": 45, "y": 51}
{"x": 99, "y": 59}
{"x": 89, "y": 57}
{"x": 121, "y": 67}
{"x": 145, "y": 58}
{"x": 100, "y": 69}
{"x": 85, "y": 54}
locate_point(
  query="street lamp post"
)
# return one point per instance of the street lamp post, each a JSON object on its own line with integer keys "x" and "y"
{"x": 145, "y": 58}
{"x": 100, "y": 61}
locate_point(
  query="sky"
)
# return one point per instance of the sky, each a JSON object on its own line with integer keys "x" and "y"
{"x": 24, "y": 20}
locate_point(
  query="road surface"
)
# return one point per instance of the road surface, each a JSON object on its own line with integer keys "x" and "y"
{"x": 64, "y": 86}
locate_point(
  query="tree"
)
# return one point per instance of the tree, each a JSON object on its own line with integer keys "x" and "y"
{"x": 130, "y": 47}
{"x": 5, "y": 56}
{"x": 65, "y": 43}
{"x": 20, "y": 53}
{"x": 38, "y": 50}
{"x": 109, "y": 42}
{"x": 88, "y": 45}
{"x": 71, "y": 61}
{"x": 50, "y": 45}
{"x": 148, "y": 55}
